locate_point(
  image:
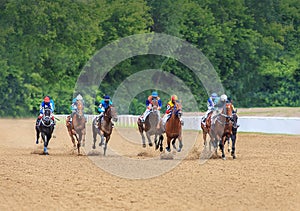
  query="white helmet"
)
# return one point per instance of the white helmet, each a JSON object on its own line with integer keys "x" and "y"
{"x": 223, "y": 98}
{"x": 79, "y": 97}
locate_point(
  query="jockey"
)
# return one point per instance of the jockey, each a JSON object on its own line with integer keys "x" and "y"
{"x": 170, "y": 106}
{"x": 149, "y": 105}
{"x": 104, "y": 104}
{"x": 74, "y": 106}
{"x": 211, "y": 103}
{"x": 46, "y": 103}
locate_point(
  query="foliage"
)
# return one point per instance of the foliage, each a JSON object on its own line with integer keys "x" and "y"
{"x": 44, "y": 45}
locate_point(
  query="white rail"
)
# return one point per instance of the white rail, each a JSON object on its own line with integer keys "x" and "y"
{"x": 279, "y": 125}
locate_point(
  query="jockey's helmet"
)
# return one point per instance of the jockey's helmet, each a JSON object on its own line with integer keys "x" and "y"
{"x": 106, "y": 98}
{"x": 47, "y": 99}
{"x": 174, "y": 97}
{"x": 154, "y": 94}
{"x": 223, "y": 98}
{"x": 214, "y": 95}
{"x": 79, "y": 97}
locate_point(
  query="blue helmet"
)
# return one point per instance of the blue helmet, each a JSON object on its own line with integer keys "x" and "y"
{"x": 106, "y": 97}
{"x": 214, "y": 95}
{"x": 154, "y": 94}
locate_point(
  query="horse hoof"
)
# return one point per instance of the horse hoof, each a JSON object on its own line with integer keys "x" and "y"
{"x": 150, "y": 144}
{"x": 179, "y": 150}
{"x": 224, "y": 158}
{"x": 144, "y": 145}
{"x": 37, "y": 142}
{"x": 233, "y": 156}
{"x": 168, "y": 149}
{"x": 161, "y": 149}
{"x": 156, "y": 147}
{"x": 94, "y": 147}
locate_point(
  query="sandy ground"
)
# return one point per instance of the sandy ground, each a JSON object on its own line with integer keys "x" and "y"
{"x": 265, "y": 175}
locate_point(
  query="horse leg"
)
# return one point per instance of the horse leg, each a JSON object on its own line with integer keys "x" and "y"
{"x": 72, "y": 137}
{"x": 45, "y": 138}
{"x": 161, "y": 138}
{"x": 222, "y": 143}
{"x": 105, "y": 145}
{"x": 149, "y": 139}
{"x": 228, "y": 144}
{"x": 83, "y": 138}
{"x": 101, "y": 139}
{"x": 233, "y": 140}
{"x": 180, "y": 144}
{"x": 168, "y": 148}
{"x": 156, "y": 142}
{"x": 173, "y": 143}
{"x": 37, "y": 135}
{"x": 143, "y": 140}
{"x": 79, "y": 143}
{"x": 95, "y": 132}
{"x": 204, "y": 138}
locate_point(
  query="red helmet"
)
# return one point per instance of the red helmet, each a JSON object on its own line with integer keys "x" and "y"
{"x": 47, "y": 99}
{"x": 174, "y": 98}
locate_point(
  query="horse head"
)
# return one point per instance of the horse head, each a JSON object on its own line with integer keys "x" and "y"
{"x": 234, "y": 119}
{"x": 111, "y": 113}
{"x": 46, "y": 119}
{"x": 80, "y": 109}
{"x": 227, "y": 110}
{"x": 154, "y": 105}
{"x": 177, "y": 110}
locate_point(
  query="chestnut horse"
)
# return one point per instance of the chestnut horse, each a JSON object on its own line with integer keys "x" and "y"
{"x": 206, "y": 129}
{"x": 222, "y": 126}
{"x": 77, "y": 128}
{"x": 45, "y": 127}
{"x": 150, "y": 127}
{"x": 104, "y": 127}
{"x": 174, "y": 128}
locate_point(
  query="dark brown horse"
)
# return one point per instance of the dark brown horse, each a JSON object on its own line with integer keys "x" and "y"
{"x": 45, "y": 127}
{"x": 206, "y": 128}
{"x": 174, "y": 128}
{"x": 222, "y": 126}
{"x": 233, "y": 136}
{"x": 104, "y": 127}
{"x": 77, "y": 128}
{"x": 150, "y": 127}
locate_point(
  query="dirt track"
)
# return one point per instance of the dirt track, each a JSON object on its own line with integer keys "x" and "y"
{"x": 265, "y": 175}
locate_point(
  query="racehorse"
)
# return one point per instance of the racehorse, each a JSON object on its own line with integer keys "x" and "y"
{"x": 150, "y": 127}
{"x": 233, "y": 136}
{"x": 206, "y": 129}
{"x": 222, "y": 126}
{"x": 45, "y": 127}
{"x": 77, "y": 128}
{"x": 174, "y": 128}
{"x": 104, "y": 127}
